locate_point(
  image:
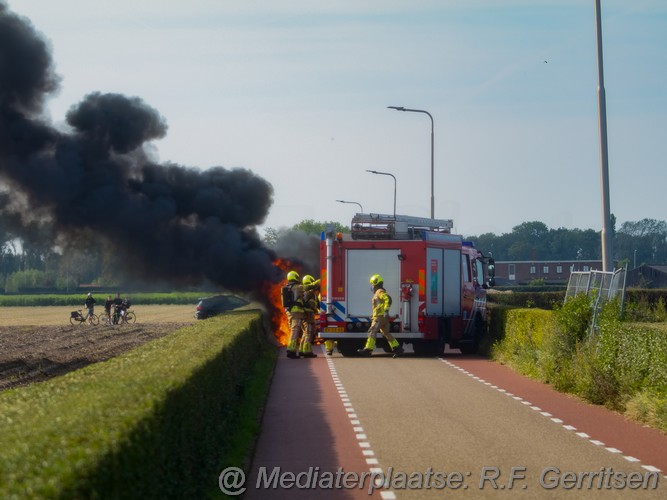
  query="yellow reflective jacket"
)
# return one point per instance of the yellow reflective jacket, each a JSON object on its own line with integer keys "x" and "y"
{"x": 297, "y": 294}
{"x": 311, "y": 301}
{"x": 380, "y": 303}
{"x": 311, "y": 297}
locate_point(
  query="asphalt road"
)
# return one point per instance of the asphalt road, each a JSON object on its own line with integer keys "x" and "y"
{"x": 448, "y": 427}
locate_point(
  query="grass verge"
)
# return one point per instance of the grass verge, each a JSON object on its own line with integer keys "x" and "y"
{"x": 621, "y": 365}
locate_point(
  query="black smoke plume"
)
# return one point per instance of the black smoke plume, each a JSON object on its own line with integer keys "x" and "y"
{"x": 167, "y": 222}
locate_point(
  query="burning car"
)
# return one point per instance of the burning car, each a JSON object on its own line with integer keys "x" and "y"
{"x": 217, "y": 304}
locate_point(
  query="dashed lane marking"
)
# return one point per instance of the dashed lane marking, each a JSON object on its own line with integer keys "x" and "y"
{"x": 551, "y": 417}
{"x": 360, "y": 435}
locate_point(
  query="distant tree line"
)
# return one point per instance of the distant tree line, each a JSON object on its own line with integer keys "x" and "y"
{"x": 34, "y": 263}
{"x": 641, "y": 242}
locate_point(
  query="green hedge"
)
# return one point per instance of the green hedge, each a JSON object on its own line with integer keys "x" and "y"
{"x": 538, "y": 299}
{"x": 157, "y": 422}
{"x": 640, "y": 304}
{"x": 622, "y": 366}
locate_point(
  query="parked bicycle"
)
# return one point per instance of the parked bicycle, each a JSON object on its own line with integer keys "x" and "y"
{"x": 117, "y": 318}
{"x": 105, "y": 319}
{"x": 77, "y": 317}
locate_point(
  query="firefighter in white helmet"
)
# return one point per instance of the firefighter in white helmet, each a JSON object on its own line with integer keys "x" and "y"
{"x": 381, "y": 302}
{"x": 293, "y": 303}
{"x": 311, "y": 305}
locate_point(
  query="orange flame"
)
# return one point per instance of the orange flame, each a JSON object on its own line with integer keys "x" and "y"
{"x": 278, "y": 317}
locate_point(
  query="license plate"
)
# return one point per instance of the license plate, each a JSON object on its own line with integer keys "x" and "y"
{"x": 337, "y": 329}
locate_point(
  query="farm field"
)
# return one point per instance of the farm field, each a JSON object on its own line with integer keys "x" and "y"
{"x": 59, "y": 315}
{"x": 37, "y": 343}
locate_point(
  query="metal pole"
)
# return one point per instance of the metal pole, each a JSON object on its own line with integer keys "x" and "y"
{"x": 401, "y": 108}
{"x": 353, "y": 202}
{"x": 607, "y": 258}
{"x": 387, "y": 173}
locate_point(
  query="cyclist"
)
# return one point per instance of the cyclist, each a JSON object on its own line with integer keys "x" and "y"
{"x": 107, "y": 307}
{"x": 117, "y": 308}
{"x": 90, "y": 307}
{"x": 125, "y": 306}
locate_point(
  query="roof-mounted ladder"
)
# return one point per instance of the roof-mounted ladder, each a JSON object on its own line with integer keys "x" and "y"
{"x": 396, "y": 227}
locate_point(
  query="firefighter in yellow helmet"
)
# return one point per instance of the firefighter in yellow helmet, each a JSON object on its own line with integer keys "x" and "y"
{"x": 380, "y": 303}
{"x": 293, "y": 303}
{"x": 311, "y": 305}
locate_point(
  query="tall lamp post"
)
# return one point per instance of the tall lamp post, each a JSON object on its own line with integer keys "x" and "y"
{"x": 354, "y": 203}
{"x": 607, "y": 258}
{"x": 401, "y": 108}
{"x": 387, "y": 173}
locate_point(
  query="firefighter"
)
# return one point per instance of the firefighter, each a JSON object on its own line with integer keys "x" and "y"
{"x": 293, "y": 302}
{"x": 311, "y": 304}
{"x": 380, "y": 303}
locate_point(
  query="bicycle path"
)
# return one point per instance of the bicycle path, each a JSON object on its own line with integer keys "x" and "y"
{"x": 307, "y": 431}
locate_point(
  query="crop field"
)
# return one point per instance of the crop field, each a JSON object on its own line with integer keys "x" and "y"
{"x": 37, "y": 343}
{"x": 59, "y": 315}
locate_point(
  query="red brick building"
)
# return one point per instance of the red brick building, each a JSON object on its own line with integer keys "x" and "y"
{"x": 551, "y": 271}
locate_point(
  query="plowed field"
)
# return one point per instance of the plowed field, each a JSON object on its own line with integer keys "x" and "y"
{"x": 37, "y": 343}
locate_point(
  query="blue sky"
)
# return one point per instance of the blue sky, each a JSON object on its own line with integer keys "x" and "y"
{"x": 297, "y": 91}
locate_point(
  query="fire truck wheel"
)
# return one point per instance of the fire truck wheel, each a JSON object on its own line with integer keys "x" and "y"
{"x": 478, "y": 332}
{"x": 469, "y": 348}
{"x": 349, "y": 347}
{"x": 427, "y": 348}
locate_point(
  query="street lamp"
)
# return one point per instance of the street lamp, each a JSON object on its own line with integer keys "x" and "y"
{"x": 607, "y": 257}
{"x": 401, "y": 108}
{"x": 387, "y": 173}
{"x": 354, "y": 203}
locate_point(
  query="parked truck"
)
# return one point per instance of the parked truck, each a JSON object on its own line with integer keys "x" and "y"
{"x": 438, "y": 284}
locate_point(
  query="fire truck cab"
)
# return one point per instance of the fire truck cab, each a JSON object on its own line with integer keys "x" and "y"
{"x": 437, "y": 282}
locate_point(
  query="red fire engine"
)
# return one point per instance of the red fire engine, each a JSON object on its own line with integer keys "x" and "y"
{"x": 436, "y": 280}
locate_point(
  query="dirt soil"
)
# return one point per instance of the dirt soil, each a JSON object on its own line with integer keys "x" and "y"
{"x": 34, "y": 353}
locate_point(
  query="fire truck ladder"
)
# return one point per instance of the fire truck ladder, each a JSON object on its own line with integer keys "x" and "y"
{"x": 398, "y": 227}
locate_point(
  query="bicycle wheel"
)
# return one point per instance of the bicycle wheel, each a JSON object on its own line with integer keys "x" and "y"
{"x": 95, "y": 320}
{"x": 74, "y": 320}
{"x": 130, "y": 317}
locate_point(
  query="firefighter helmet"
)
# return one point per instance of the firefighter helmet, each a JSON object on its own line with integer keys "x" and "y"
{"x": 292, "y": 276}
{"x": 308, "y": 279}
{"x": 376, "y": 279}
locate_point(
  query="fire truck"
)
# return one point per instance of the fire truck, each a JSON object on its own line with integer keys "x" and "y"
{"x": 438, "y": 284}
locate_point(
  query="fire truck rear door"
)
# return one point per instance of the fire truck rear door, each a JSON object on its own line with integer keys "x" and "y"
{"x": 361, "y": 265}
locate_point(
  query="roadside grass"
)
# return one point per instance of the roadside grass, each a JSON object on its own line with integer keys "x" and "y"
{"x": 622, "y": 365}
{"x": 159, "y": 421}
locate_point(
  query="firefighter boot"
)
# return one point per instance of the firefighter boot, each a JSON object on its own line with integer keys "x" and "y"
{"x": 329, "y": 345}
{"x": 291, "y": 350}
{"x": 307, "y": 350}
{"x": 368, "y": 349}
{"x": 396, "y": 348}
